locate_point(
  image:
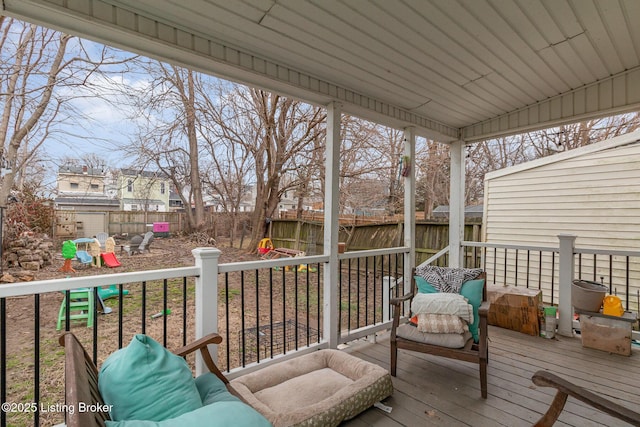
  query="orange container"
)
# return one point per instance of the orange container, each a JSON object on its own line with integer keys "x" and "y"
{"x": 612, "y": 306}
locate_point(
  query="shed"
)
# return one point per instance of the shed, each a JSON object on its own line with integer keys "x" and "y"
{"x": 592, "y": 192}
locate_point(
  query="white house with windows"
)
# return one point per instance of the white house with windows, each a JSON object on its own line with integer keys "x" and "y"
{"x": 143, "y": 190}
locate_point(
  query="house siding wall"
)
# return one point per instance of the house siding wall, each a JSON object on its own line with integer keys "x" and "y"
{"x": 595, "y": 196}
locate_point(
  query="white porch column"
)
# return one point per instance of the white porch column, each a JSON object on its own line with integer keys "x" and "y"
{"x": 409, "y": 206}
{"x": 206, "y": 314}
{"x": 456, "y": 203}
{"x": 331, "y": 226}
{"x": 566, "y": 267}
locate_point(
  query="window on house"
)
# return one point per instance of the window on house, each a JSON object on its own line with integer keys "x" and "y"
{"x": 162, "y": 188}
{"x": 130, "y": 186}
{"x": 74, "y": 186}
{"x": 134, "y": 207}
{"x": 95, "y": 186}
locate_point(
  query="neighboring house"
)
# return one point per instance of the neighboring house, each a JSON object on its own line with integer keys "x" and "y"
{"x": 592, "y": 192}
{"x": 83, "y": 188}
{"x": 143, "y": 190}
{"x": 215, "y": 202}
{"x": 175, "y": 202}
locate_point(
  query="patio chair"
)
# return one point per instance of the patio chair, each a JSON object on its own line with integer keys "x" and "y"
{"x": 146, "y": 242}
{"x": 406, "y": 336}
{"x": 139, "y": 243}
{"x": 81, "y": 378}
{"x": 102, "y": 238}
{"x": 566, "y": 388}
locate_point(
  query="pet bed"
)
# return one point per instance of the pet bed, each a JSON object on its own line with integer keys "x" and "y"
{"x": 322, "y": 388}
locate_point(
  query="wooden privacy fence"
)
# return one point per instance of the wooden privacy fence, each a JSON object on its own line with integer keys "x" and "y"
{"x": 431, "y": 236}
{"x": 70, "y": 224}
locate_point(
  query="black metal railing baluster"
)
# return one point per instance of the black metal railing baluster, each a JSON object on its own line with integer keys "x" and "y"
{"x": 120, "y": 316}
{"x": 96, "y": 300}
{"x": 3, "y": 359}
{"x": 553, "y": 269}
{"x": 358, "y": 307}
{"x": 143, "y": 309}
{"x": 165, "y": 310}
{"x": 184, "y": 310}
{"x": 627, "y": 286}
{"x": 257, "y": 278}
{"x": 295, "y": 301}
{"x": 243, "y": 340}
{"x": 226, "y": 317}
{"x": 36, "y": 360}
{"x": 67, "y": 310}
{"x": 284, "y": 311}
{"x": 308, "y": 303}
{"x": 271, "y": 312}
{"x": 528, "y": 266}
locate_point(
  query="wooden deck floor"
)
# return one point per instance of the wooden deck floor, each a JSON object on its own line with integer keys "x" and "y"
{"x": 432, "y": 391}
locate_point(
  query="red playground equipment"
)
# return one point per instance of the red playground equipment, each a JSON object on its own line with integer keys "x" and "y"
{"x": 265, "y": 246}
{"x": 109, "y": 259}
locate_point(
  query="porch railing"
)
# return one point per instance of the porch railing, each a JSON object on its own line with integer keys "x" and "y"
{"x": 266, "y": 311}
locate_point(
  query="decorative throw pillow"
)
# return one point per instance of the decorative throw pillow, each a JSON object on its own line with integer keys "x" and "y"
{"x": 424, "y": 287}
{"x": 218, "y": 414}
{"x": 472, "y": 291}
{"x": 145, "y": 381}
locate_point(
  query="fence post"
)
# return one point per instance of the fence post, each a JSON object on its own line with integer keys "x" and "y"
{"x": 565, "y": 277}
{"x": 206, "y": 298}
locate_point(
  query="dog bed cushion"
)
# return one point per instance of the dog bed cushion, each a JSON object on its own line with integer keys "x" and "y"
{"x": 322, "y": 388}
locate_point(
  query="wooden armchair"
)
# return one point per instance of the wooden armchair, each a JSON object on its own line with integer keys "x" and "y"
{"x": 566, "y": 389}
{"x": 81, "y": 378}
{"x": 471, "y": 352}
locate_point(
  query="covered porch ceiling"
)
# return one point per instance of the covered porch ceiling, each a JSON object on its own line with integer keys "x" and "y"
{"x": 452, "y": 69}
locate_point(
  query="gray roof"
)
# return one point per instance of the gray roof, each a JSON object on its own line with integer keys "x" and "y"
{"x": 442, "y": 211}
{"x": 144, "y": 201}
{"x": 103, "y": 201}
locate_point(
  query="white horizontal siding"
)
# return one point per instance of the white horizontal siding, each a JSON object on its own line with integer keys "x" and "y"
{"x": 595, "y": 196}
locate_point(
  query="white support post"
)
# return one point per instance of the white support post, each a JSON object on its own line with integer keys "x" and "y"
{"x": 206, "y": 295}
{"x": 409, "y": 206}
{"x": 456, "y": 203}
{"x": 566, "y": 267}
{"x": 331, "y": 226}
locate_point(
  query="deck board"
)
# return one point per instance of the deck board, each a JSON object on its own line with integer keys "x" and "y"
{"x": 433, "y": 391}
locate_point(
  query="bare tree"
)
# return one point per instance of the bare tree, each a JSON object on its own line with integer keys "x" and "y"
{"x": 274, "y": 130}
{"x": 500, "y": 153}
{"x": 42, "y": 72}
{"x": 168, "y": 132}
